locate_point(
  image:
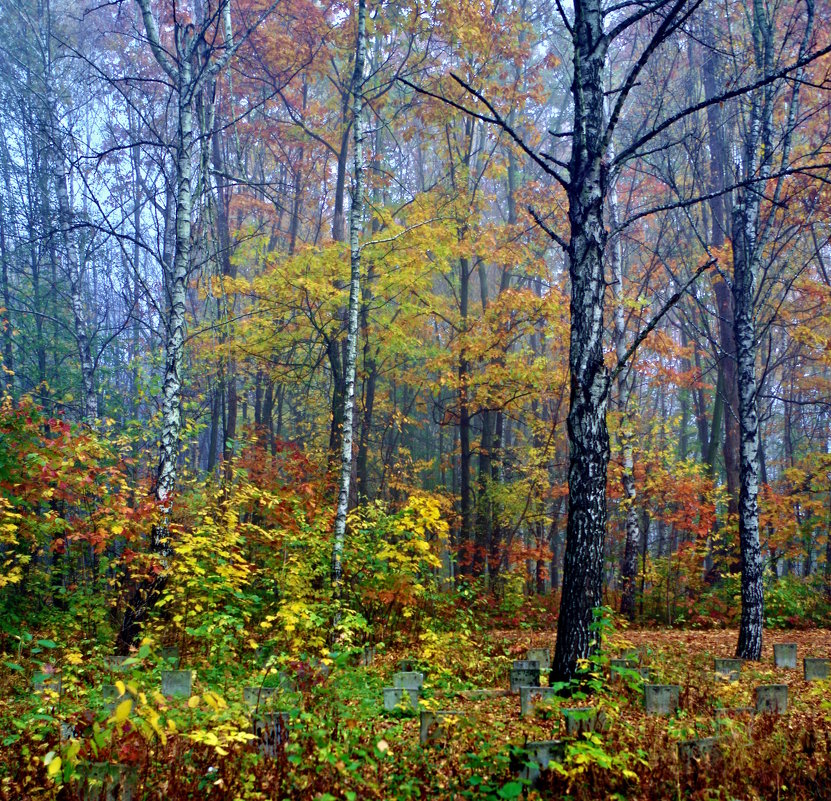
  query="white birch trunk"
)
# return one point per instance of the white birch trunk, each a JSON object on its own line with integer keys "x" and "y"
{"x": 355, "y": 228}
{"x": 176, "y": 286}
{"x": 628, "y": 566}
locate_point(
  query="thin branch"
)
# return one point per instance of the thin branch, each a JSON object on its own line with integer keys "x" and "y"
{"x": 555, "y": 236}
{"x": 632, "y": 150}
{"x": 650, "y": 327}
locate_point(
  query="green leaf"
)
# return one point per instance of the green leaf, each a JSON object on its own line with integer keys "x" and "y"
{"x": 510, "y": 790}
{"x": 47, "y": 644}
{"x": 12, "y": 666}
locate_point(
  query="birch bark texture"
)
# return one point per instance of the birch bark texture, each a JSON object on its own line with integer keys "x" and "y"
{"x": 189, "y": 48}
{"x": 750, "y": 235}
{"x": 587, "y": 186}
{"x": 356, "y": 216}
{"x": 588, "y": 436}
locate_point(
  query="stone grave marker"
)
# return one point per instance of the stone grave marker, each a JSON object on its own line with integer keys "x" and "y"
{"x": 524, "y": 673}
{"x": 541, "y": 655}
{"x": 583, "y": 720}
{"x": 635, "y": 654}
{"x": 395, "y": 696}
{"x": 697, "y": 750}
{"x": 784, "y": 655}
{"x": 815, "y": 669}
{"x": 661, "y": 699}
{"x": 115, "y": 664}
{"x": 529, "y": 697}
{"x": 177, "y": 683}
{"x": 112, "y": 697}
{"x": 729, "y": 669}
{"x": 368, "y": 655}
{"x": 105, "y": 781}
{"x": 408, "y": 680}
{"x": 46, "y": 680}
{"x": 617, "y": 666}
{"x": 260, "y": 696}
{"x": 437, "y": 726}
{"x": 170, "y": 654}
{"x": 68, "y": 730}
{"x": 540, "y": 755}
{"x": 272, "y": 732}
{"x": 772, "y": 698}
{"x": 407, "y": 666}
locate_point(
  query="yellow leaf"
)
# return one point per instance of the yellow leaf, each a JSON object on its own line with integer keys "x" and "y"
{"x": 119, "y": 685}
{"x": 53, "y": 768}
{"x": 193, "y": 701}
{"x": 122, "y": 711}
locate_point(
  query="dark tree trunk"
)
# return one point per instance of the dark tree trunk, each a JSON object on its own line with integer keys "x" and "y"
{"x": 717, "y": 233}
{"x": 744, "y": 282}
{"x": 466, "y": 532}
{"x": 588, "y": 436}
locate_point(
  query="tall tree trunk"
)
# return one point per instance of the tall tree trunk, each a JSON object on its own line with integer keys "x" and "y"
{"x": 466, "y": 501}
{"x": 629, "y": 563}
{"x": 744, "y": 289}
{"x": 355, "y": 227}
{"x": 484, "y": 516}
{"x": 716, "y": 237}
{"x": 5, "y": 321}
{"x": 72, "y": 255}
{"x": 588, "y": 435}
{"x": 749, "y": 236}
{"x": 176, "y": 287}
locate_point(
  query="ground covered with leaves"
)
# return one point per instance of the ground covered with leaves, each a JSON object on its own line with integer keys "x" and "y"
{"x": 339, "y": 743}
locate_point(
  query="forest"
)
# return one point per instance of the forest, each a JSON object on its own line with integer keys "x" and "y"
{"x": 410, "y": 399}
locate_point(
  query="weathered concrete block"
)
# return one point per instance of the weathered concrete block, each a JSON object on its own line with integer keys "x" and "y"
{"x": 395, "y": 696}
{"x": 635, "y": 654}
{"x": 729, "y": 669}
{"x": 661, "y": 699}
{"x": 272, "y": 732}
{"x": 540, "y": 655}
{"x": 170, "y": 654}
{"x": 617, "y": 666}
{"x": 48, "y": 682}
{"x": 260, "y": 696}
{"x": 437, "y": 726}
{"x": 112, "y": 697}
{"x": 784, "y": 655}
{"x": 529, "y": 697}
{"x": 408, "y": 680}
{"x": 407, "y": 666}
{"x": 697, "y": 750}
{"x": 772, "y": 698}
{"x": 583, "y": 720}
{"x": 177, "y": 683}
{"x": 524, "y": 673}
{"x": 368, "y": 655}
{"x": 539, "y": 756}
{"x": 114, "y": 663}
{"x": 815, "y": 669}
{"x": 103, "y": 781}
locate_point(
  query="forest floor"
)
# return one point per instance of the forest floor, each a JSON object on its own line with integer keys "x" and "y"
{"x": 341, "y": 744}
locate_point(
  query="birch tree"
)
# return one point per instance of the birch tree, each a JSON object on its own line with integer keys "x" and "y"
{"x": 761, "y": 157}
{"x": 355, "y": 228}
{"x": 198, "y": 54}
